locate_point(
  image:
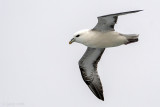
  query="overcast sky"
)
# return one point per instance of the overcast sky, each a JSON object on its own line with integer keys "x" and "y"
{"x": 38, "y": 68}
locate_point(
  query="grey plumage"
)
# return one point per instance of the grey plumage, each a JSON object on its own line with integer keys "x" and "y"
{"x": 97, "y": 39}
{"x": 107, "y": 22}
{"x": 88, "y": 67}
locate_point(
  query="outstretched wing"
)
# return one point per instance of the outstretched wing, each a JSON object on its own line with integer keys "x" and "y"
{"x": 88, "y": 67}
{"x": 107, "y": 22}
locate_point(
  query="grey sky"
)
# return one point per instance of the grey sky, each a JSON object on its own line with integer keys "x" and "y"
{"x": 38, "y": 68}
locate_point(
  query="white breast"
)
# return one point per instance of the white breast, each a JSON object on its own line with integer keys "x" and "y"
{"x": 97, "y": 39}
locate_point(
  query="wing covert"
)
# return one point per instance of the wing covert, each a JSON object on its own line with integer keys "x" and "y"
{"x": 107, "y": 22}
{"x": 88, "y": 67}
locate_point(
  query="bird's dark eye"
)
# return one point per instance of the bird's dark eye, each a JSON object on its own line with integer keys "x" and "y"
{"x": 77, "y": 35}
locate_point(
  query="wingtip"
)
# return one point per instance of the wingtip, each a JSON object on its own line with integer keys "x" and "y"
{"x": 102, "y": 98}
{"x": 96, "y": 92}
{"x": 139, "y": 10}
{"x": 122, "y": 13}
{"x": 136, "y": 11}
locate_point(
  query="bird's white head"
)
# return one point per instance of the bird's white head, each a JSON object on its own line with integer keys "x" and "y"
{"x": 80, "y": 36}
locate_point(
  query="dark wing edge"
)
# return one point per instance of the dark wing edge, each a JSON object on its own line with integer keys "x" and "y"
{"x": 122, "y": 13}
{"x": 107, "y": 22}
{"x": 88, "y": 67}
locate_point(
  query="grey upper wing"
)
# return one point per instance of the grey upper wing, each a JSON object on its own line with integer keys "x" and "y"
{"x": 107, "y": 22}
{"x": 88, "y": 67}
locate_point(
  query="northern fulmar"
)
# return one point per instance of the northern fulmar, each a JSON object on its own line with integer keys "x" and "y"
{"x": 102, "y": 36}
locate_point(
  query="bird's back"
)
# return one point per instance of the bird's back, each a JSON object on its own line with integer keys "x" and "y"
{"x": 98, "y": 39}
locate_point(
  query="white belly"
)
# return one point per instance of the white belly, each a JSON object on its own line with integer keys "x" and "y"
{"x": 104, "y": 39}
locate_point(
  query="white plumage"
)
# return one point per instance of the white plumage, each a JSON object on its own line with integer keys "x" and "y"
{"x": 97, "y": 39}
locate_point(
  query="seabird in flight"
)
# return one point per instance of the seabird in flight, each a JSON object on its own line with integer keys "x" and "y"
{"x": 102, "y": 36}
